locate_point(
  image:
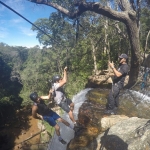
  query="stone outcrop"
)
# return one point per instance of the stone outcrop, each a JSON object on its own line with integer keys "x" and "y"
{"x": 109, "y": 121}
{"x": 129, "y": 134}
{"x": 102, "y": 79}
{"x": 126, "y": 131}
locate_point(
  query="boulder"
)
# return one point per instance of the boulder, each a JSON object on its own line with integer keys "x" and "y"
{"x": 129, "y": 134}
{"x": 109, "y": 121}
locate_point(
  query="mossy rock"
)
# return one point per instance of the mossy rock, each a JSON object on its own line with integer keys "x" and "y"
{"x": 98, "y": 96}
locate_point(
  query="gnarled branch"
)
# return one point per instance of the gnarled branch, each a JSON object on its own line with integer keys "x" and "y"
{"x": 87, "y": 6}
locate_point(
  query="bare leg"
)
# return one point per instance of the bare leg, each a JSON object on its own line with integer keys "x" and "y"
{"x": 57, "y": 129}
{"x": 71, "y": 112}
{"x": 63, "y": 121}
{"x": 71, "y": 116}
{"x": 72, "y": 106}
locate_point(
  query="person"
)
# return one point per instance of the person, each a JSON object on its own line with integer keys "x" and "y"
{"x": 41, "y": 111}
{"x": 118, "y": 83}
{"x": 60, "y": 97}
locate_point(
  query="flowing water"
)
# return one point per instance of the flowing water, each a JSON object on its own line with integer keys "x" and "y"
{"x": 132, "y": 103}
{"x": 67, "y": 133}
{"x": 135, "y": 103}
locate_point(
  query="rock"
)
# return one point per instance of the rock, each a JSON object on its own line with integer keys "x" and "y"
{"x": 123, "y": 131}
{"x": 109, "y": 121}
{"x": 129, "y": 134}
{"x": 100, "y": 79}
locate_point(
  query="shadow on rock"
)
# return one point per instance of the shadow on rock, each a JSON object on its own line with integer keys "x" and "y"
{"x": 112, "y": 142}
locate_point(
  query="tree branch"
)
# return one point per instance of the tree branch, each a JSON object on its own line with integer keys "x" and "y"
{"x": 31, "y": 136}
{"x": 146, "y": 43}
{"x": 86, "y": 6}
{"x": 124, "y": 5}
{"x": 133, "y": 5}
{"x": 118, "y": 29}
{"x": 54, "y": 5}
{"x": 138, "y": 12}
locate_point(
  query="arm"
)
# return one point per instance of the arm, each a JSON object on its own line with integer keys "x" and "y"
{"x": 48, "y": 96}
{"x": 116, "y": 72}
{"x": 35, "y": 114}
{"x": 64, "y": 80}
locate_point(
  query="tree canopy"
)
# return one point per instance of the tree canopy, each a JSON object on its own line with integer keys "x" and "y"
{"x": 127, "y": 12}
{"x": 84, "y": 44}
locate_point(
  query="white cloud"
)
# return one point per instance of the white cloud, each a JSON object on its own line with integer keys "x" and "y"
{"x": 27, "y": 31}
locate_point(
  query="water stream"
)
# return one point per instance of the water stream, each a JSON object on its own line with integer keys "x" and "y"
{"x": 67, "y": 133}
{"x": 132, "y": 103}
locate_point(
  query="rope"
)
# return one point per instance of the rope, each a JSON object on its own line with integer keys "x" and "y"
{"x": 37, "y": 28}
{"x": 30, "y": 23}
{"x": 41, "y": 29}
{"x": 24, "y": 18}
{"x": 42, "y": 32}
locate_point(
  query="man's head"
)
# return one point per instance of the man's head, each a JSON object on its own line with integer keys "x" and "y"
{"x": 56, "y": 78}
{"x": 34, "y": 96}
{"x": 123, "y": 58}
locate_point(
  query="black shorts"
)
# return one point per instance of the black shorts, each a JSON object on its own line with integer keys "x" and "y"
{"x": 64, "y": 104}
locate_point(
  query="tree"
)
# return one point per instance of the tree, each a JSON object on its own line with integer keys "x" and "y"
{"x": 128, "y": 13}
{"x": 145, "y": 31}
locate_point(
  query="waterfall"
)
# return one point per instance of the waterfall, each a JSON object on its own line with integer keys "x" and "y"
{"x": 139, "y": 96}
{"x": 143, "y": 97}
{"x": 67, "y": 133}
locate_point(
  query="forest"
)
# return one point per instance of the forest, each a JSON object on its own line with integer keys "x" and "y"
{"x": 84, "y": 44}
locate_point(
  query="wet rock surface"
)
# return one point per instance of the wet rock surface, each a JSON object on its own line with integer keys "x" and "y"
{"x": 89, "y": 121}
{"x": 96, "y": 131}
{"x": 124, "y": 131}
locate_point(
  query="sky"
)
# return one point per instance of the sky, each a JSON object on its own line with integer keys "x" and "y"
{"x": 14, "y": 30}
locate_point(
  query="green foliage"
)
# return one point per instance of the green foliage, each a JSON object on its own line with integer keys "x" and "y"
{"x": 145, "y": 21}
{"x": 102, "y": 64}
{"x": 9, "y": 85}
{"x": 24, "y": 70}
{"x": 49, "y": 128}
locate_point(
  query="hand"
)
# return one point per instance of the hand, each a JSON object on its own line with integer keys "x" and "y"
{"x": 40, "y": 117}
{"x": 65, "y": 69}
{"x": 51, "y": 91}
{"x": 111, "y": 65}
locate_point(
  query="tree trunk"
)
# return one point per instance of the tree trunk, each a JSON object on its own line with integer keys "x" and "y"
{"x": 105, "y": 37}
{"x": 146, "y": 44}
{"x": 127, "y": 15}
{"x": 94, "y": 56}
{"x": 133, "y": 32}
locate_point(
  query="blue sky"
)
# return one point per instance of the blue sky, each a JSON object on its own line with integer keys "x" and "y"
{"x": 14, "y": 30}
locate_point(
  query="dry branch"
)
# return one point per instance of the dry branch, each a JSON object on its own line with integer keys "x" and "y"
{"x": 31, "y": 137}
